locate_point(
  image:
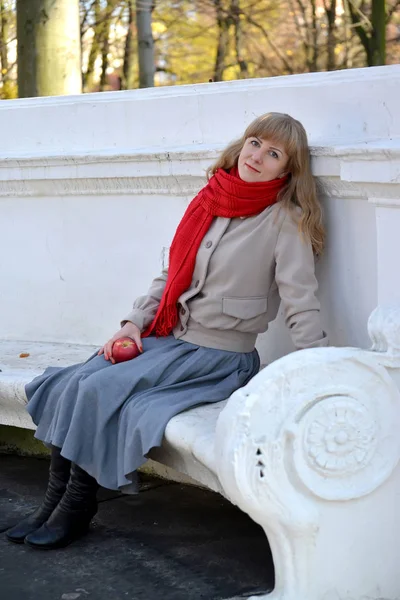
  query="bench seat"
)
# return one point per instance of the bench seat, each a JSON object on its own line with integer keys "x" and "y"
{"x": 188, "y": 446}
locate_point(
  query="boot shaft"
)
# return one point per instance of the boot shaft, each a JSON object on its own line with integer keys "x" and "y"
{"x": 59, "y": 466}
{"x": 81, "y": 491}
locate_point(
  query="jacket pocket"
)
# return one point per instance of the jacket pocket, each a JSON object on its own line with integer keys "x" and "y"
{"x": 244, "y": 308}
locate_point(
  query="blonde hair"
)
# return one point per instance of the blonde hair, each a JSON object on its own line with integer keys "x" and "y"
{"x": 300, "y": 190}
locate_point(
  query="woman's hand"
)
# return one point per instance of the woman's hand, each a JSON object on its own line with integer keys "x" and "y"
{"x": 128, "y": 330}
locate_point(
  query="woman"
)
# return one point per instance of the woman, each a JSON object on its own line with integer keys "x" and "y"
{"x": 246, "y": 242}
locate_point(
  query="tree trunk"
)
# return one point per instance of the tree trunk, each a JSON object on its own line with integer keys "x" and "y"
{"x": 145, "y": 42}
{"x": 4, "y": 38}
{"x": 305, "y": 30}
{"x": 236, "y": 11}
{"x": 129, "y": 54}
{"x": 4, "y": 50}
{"x": 331, "y": 40}
{"x": 348, "y": 58}
{"x": 373, "y": 38}
{"x": 378, "y": 37}
{"x": 49, "y": 50}
{"x": 314, "y": 37}
{"x": 105, "y": 42}
{"x": 223, "y": 22}
{"x": 94, "y": 48}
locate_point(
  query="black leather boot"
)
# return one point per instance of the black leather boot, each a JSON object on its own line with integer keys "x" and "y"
{"x": 71, "y": 519}
{"x": 59, "y": 474}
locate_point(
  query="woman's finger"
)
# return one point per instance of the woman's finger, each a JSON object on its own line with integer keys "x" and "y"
{"x": 108, "y": 350}
{"x": 134, "y": 334}
{"x": 138, "y": 341}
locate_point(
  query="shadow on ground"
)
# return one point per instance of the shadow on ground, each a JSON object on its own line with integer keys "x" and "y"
{"x": 170, "y": 542}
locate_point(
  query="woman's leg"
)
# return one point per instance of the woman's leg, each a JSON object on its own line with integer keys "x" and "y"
{"x": 59, "y": 475}
{"x": 71, "y": 518}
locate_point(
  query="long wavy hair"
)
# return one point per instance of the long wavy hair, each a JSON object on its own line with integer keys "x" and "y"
{"x": 300, "y": 190}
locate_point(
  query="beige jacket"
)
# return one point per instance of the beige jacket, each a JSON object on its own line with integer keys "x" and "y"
{"x": 244, "y": 268}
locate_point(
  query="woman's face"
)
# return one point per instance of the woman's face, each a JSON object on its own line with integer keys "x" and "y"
{"x": 261, "y": 160}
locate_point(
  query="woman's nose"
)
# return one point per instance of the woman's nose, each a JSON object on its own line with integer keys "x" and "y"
{"x": 257, "y": 155}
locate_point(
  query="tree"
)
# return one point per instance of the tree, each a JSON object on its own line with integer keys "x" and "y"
{"x": 49, "y": 50}
{"x": 194, "y": 41}
{"x": 95, "y": 47}
{"x": 104, "y": 35}
{"x": 224, "y": 22}
{"x": 237, "y": 21}
{"x": 330, "y": 10}
{"x": 8, "y": 88}
{"x": 371, "y": 30}
{"x": 145, "y": 42}
{"x": 128, "y": 70}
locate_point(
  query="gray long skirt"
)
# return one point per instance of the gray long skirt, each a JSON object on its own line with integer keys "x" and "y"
{"x": 106, "y": 417}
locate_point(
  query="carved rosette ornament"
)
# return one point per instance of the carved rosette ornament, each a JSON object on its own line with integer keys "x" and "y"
{"x": 341, "y": 444}
{"x": 346, "y": 443}
{"x": 341, "y": 437}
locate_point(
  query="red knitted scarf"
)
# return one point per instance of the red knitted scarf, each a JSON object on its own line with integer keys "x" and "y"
{"x": 225, "y": 195}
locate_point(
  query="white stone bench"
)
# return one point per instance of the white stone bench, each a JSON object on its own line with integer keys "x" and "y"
{"x": 310, "y": 449}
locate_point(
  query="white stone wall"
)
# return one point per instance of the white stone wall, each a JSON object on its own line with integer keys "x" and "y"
{"x": 92, "y": 188}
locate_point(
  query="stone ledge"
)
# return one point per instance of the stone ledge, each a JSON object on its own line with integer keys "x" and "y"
{"x": 343, "y": 170}
{"x": 16, "y": 372}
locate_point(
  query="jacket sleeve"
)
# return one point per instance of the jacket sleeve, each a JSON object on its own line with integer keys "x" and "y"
{"x": 145, "y": 307}
{"x": 297, "y": 286}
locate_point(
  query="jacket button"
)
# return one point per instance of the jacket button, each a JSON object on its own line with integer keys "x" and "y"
{"x": 183, "y": 311}
{"x": 208, "y": 244}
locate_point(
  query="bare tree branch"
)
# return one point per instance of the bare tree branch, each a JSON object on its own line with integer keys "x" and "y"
{"x": 392, "y": 10}
{"x": 357, "y": 24}
{"x": 280, "y": 55}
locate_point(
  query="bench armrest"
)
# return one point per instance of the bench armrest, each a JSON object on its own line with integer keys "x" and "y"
{"x": 313, "y": 432}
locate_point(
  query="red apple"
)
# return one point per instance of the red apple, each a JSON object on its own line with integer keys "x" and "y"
{"x": 124, "y": 349}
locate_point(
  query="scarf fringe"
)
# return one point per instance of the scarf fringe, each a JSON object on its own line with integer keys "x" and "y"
{"x": 169, "y": 320}
{"x": 163, "y": 327}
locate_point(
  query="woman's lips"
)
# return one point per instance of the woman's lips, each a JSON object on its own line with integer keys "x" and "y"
{"x": 251, "y": 168}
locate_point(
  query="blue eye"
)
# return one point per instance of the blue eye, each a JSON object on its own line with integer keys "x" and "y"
{"x": 254, "y": 143}
{"x": 274, "y": 154}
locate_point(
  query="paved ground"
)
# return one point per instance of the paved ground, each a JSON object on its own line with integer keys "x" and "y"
{"x": 170, "y": 542}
